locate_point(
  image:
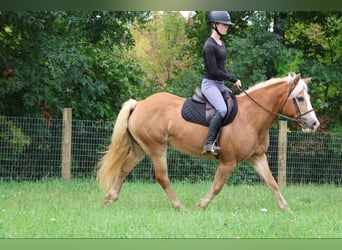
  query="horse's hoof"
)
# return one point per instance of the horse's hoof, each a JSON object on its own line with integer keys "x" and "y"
{"x": 202, "y": 205}
{"x": 200, "y": 208}
{"x": 287, "y": 210}
{"x": 106, "y": 203}
{"x": 179, "y": 207}
{"x": 109, "y": 199}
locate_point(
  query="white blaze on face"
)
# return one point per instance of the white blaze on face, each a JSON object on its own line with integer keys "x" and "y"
{"x": 309, "y": 106}
{"x": 301, "y": 86}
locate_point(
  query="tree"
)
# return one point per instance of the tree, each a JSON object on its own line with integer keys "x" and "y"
{"x": 160, "y": 47}
{"x": 84, "y": 60}
{"x": 51, "y": 60}
{"x": 318, "y": 36}
{"x": 255, "y": 52}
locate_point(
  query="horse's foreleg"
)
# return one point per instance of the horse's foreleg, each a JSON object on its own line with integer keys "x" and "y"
{"x": 132, "y": 159}
{"x": 222, "y": 173}
{"x": 260, "y": 164}
{"x": 161, "y": 175}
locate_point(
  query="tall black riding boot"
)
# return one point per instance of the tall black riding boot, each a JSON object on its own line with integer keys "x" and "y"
{"x": 214, "y": 126}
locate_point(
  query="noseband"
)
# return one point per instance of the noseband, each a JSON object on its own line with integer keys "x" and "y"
{"x": 292, "y": 95}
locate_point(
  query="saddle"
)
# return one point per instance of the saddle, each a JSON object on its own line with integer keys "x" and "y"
{"x": 197, "y": 109}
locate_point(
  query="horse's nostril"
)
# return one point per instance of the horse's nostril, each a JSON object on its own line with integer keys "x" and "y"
{"x": 315, "y": 124}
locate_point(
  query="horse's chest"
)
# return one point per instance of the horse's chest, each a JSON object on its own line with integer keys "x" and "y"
{"x": 262, "y": 144}
{"x": 255, "y": 143}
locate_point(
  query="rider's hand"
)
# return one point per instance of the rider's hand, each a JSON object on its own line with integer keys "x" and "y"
{"x": 238, "y": 84}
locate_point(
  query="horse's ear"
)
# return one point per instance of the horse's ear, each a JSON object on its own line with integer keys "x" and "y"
{"x": 307, "y": 80}
{"x": 296, "y": 79}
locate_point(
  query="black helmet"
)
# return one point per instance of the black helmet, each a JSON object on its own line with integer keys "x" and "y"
{"x": 219, "y": 17}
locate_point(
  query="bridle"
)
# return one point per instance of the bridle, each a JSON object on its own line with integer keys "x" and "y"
{"x": 292, "y": 95}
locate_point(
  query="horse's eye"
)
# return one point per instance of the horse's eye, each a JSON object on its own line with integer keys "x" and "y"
{"x": 300, "y": 98}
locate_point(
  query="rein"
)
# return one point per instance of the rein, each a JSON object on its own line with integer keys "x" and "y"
{"x": 297, "y": 119}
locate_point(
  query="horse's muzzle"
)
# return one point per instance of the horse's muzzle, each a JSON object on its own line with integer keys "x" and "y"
{"x": 309, "y": 124}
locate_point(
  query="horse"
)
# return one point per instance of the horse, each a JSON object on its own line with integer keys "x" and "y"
{"x": 149, "y": 126}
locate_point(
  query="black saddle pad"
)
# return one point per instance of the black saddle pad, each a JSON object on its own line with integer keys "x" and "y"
{"x": 195, "y": 112}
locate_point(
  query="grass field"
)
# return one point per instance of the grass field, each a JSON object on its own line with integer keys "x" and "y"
{"x": 58, "y": 209}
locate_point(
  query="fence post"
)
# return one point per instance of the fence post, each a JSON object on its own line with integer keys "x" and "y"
{"x": 282, "y": 146}
{"x": 66, "y": 144}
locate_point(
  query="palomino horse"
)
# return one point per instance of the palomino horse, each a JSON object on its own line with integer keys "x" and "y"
{"x": 148, "y": 126}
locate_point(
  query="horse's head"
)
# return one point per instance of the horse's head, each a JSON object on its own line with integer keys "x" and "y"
{"x": 298, "y": 105}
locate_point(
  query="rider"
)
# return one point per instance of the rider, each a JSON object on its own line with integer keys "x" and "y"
{"x": 214, "y": 54}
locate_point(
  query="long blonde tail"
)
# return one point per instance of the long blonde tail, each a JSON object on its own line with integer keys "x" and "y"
{"x": 111, "y": 163}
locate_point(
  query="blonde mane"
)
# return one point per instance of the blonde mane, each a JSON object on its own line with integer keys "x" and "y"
{"x": 264, "y": 84}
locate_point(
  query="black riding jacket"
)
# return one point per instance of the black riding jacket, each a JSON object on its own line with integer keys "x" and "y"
{"x": 214, "y": 56}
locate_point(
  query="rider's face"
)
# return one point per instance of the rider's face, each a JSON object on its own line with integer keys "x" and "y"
{"x": 223, "y": 28}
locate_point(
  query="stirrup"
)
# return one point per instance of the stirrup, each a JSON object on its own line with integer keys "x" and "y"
{"x": 211, "y": 148}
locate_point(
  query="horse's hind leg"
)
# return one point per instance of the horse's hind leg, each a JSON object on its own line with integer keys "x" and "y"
{"x": 132, "y": 159}
{"x": 161, "y": 175}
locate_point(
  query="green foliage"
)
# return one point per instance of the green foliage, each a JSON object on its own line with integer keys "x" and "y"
{"x": 184, "y": 83}
{"x": 30, "y": 150}
{"x": 318, "y": 36}
{"x": 290, "y": 60}
{"x": 160, "y": 47}
{"x": 12, "y": 138}
{"x": 197, "y": 32}
{"x": 254, "y": 54}
{"x": 52, "y": 60}
{"x": 101, "y": 86}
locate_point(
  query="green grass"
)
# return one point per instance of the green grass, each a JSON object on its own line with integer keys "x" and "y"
{"x": 58, "y": 209}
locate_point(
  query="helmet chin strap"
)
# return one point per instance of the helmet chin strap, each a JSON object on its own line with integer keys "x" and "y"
{"x": 216, "y": 29}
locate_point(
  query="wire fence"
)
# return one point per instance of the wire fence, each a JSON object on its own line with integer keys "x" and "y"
{"x": 31, "y": 150}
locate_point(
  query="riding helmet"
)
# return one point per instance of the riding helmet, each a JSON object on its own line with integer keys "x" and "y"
{"x": 219, "y": 17}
